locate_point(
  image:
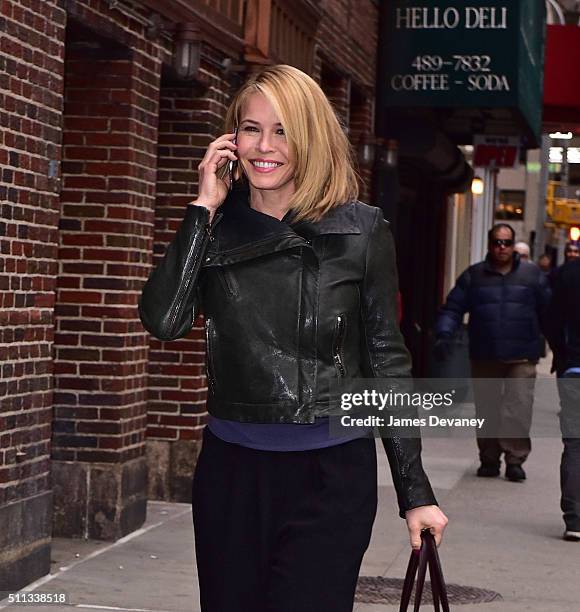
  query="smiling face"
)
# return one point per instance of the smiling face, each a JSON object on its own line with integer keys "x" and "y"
{"x": 263, "y": 148}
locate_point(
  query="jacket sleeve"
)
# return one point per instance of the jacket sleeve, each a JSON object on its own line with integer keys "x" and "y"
{"x": 543, "y": 298}
{"x": 388, "y": 357}
{"x": 169, "y": 299}
{"x": 456, "y": 305}
{"x": 555, "y": 328}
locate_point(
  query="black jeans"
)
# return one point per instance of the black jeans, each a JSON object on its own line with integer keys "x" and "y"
{"x": 569, "y": 390}
{"x": 282, "y": 531}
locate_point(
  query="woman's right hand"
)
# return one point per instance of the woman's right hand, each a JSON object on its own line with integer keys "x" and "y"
{"x": 425, "y": 517}
{"x": 212, "y": 190}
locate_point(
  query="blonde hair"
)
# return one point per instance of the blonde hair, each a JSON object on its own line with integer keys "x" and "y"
{"x": 323, "y": 156}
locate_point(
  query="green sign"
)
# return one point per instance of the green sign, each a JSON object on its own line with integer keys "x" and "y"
{"x": 465, "y": 54}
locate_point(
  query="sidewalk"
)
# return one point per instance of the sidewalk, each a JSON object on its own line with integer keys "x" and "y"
{"x": 502, "y": 536}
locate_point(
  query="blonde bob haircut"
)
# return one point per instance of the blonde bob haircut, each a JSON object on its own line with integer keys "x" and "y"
{"x": 324, "y": 170}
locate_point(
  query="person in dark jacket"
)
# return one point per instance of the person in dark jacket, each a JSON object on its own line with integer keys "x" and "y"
{"x": 545, "y": 263}
{"x": 507, "y": 301}
{"x": 297, "y": 283}
{"x": 571, "y": 252}
{"x": 564, "y": 338}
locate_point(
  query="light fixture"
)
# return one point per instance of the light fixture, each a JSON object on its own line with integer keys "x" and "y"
{"x": 228, "y": 66}
{"x": 575, "y": 234}
{"x": 371, "y": 149}
{"x": 477, "y": 185}
{"x": 392, "y": 153}
{"x": 187, "y": 51}
{"x": 366, "y": 150}
{"x": 561, "y": 135}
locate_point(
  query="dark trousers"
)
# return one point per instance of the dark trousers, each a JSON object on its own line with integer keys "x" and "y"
{"x": 569, "y": 390}
{"x": 282, "y": 531}
{"x": 506, "y": 405}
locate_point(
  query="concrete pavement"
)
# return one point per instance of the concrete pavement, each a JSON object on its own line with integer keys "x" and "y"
{"x": 502, "y": 536}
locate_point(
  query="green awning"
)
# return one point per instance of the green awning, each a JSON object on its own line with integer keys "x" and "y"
{"x": 478, "y": 55}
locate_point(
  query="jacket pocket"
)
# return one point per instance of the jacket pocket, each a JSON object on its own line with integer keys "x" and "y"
{"x": 227, "y": 281}
{"x": 209, "y": 366}
{"x": 338, "y": 345}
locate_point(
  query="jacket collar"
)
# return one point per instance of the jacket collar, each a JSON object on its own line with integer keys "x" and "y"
{"x": 241, "y": 226}
{"x": 515, "y": 263}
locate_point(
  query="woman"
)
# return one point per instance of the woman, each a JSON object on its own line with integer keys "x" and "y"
{"x": 297, "y": 284}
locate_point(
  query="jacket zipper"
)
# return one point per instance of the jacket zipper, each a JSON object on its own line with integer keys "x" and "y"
{"x": 207, "y": 230}
{"x": 337, "y": 344}
{"x": 227, "y": 281}
{"x": 209, "y": 360}
{"x": 300, "y": 242}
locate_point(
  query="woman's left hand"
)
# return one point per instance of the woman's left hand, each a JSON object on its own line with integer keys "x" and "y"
{"x": 425, "y": 517}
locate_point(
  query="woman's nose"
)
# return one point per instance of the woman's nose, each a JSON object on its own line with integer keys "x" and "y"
{"x": 265, "y": 143}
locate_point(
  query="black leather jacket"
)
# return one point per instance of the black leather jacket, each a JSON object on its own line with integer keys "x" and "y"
{"x": 564, "y": 317}
{"x": 289, "y": 309}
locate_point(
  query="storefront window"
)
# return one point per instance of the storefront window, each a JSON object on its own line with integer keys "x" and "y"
{"x": 510, "y": 205}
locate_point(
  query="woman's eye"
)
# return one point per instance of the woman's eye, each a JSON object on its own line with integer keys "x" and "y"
{"x": 281, "y": 132}
{"x": 249, "y": 128}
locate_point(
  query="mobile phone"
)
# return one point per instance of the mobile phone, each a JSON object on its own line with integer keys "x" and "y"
{"x": 231, "y": 162}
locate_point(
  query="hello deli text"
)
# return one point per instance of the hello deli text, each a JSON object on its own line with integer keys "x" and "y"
{"x": 457, "y": 71}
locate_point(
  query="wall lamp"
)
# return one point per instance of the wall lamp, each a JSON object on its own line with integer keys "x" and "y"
{"x": 186, "y": 51}
{"x": 371, "y": 149}
{"x": 477, "y": 185}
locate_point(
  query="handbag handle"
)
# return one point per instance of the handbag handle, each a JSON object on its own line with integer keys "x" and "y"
{"x": 438, "y": 586}
{"x": 426, "y": 556}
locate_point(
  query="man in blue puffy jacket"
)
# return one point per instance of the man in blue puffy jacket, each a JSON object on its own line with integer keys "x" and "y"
{"x": 507, "y": 301}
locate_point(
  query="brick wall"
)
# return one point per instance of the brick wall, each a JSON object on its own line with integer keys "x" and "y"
{"x": 31, "y": 72}
{"x": 112, "y": 76}
{"x": 345, "y": 64}
{"x": 337, "y": 89}
{"x": 348, "y": 36}
{"x": 361, "y": 122}
{"x": 189, "y": 119}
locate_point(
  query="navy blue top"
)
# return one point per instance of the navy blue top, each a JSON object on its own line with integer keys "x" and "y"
{"x": 282, "y": 436}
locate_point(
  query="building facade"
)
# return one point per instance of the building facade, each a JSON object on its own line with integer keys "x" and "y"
{"x": 102, "y": 128}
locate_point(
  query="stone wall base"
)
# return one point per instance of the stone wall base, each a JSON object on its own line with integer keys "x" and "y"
{"x": 25, "y": 541}
{"x": 99, "y": 501}
{"x": 171, "y": 467}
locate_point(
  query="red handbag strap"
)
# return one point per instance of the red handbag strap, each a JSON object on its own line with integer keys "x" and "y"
{"x": 427, "y": 556}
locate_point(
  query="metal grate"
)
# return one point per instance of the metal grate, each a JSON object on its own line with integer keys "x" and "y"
{"x": 379, "y": 590}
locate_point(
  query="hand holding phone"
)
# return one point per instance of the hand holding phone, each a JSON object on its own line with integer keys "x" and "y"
{"x": 213, "y": 190}
{"x": 231, "y": 162}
